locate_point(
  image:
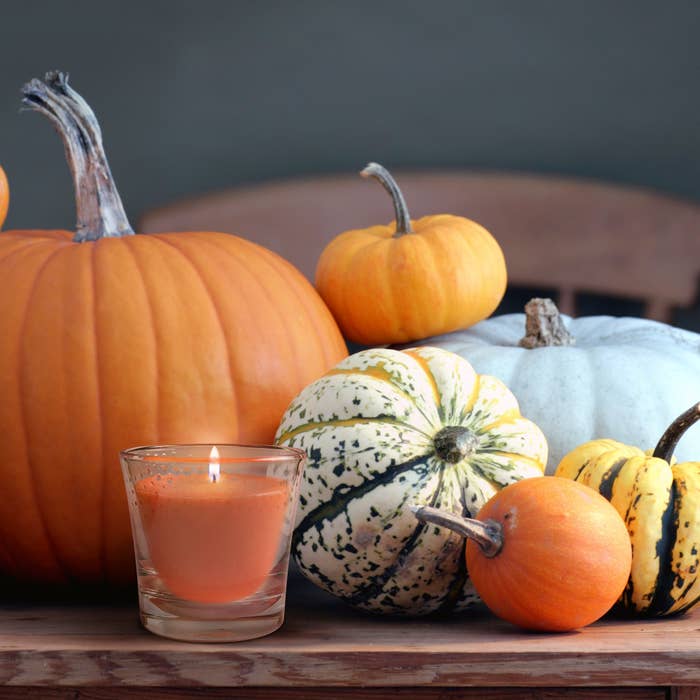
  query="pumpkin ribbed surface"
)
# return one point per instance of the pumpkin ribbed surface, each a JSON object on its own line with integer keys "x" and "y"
{"x": 385, "y": 430}
{"x": 660, "y": 504}
{"x": 447, "y": 274}
{"x": 194, "y": 337}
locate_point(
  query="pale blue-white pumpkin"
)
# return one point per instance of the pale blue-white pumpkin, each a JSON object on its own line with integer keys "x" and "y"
{"x": 387, "y": 429}
{"x": 588, "y": 378}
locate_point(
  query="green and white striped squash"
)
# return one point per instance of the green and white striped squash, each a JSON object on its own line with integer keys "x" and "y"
{"x": 659, "y": 500}
{"x": 386, "y": 429}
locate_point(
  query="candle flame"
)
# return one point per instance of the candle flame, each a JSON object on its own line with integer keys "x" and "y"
{"x": 214, "y": 467}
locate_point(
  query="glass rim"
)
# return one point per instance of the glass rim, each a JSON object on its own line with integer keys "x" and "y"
{"x": 139, "y": 453}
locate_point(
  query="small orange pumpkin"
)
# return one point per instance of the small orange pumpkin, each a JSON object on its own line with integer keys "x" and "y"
{"x": 112, "y": 340}
{"x": 410, "y": 279}
{"x": 4, "y": 196}
{"x": 542, "y": 555}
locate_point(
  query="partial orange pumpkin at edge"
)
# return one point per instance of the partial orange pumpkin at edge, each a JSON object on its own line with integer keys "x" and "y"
{"x": 4, "y": 196}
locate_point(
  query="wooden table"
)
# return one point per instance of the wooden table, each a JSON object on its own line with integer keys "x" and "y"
{"x": 328, "y": 650}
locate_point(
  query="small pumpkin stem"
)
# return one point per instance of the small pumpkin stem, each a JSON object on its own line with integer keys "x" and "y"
{"x": 380, "y": 173}
{"x": 667, "y": 444}
{"x": 544, "y": 326}
{"x": 100, "y": 211}
{"x": 488, "y": 534}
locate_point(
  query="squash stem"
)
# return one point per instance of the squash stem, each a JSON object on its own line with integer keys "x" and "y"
{"x": 667, "y": 444}
{"x": 487, "y": 534}
{"x": 544, "y": 326}
{"x": 453, "y": 443}
{"x": 100, "y": 211}
{"x": 380, "y": 173}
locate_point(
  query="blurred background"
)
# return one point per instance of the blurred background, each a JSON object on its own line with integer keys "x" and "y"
{"x": 195, "y": 97}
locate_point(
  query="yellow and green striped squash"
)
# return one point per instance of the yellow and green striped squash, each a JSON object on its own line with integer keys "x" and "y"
{"x": 386, "y": 429}
{"x": 660, "y": 504}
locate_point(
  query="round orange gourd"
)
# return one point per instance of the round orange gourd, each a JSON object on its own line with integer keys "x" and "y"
{"x": 543, "y": 555}
{"x": 112, "y": 340}
{"x": 4, "y": 196}
{"x": 410, "y": 279}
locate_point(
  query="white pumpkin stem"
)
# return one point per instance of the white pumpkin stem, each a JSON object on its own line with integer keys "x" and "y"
{"x": 100, "y": 211}
{"x": 544, "y": 326}
{"x": 487, "y": 534}
{"x": 380, "y": 173}
{"x": 667, "y": 444}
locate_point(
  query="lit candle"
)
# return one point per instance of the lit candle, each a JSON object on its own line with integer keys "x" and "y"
{"x": 212, "y": 537}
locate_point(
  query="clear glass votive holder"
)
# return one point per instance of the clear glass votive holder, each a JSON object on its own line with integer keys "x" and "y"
{"x": 212, "y": 527}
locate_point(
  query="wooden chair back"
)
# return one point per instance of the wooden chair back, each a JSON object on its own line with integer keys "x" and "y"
{"x": 565, "y": 234}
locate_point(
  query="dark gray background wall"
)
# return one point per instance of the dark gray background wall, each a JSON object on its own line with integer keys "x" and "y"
{"x": 197, "y": 95}
{"x": 200, "y": 94}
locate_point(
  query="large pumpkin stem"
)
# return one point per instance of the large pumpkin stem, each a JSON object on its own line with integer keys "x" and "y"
{"x": 488, "y": 534}
{"x": 99, "y": 208}
{"x": 667, "y": 444}
{"x": 403, "y": 220}
{"x": 543, "y": 325}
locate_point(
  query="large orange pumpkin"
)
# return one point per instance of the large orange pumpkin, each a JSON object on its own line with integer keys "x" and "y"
{"x": 4, "y": 196}
{"x": 112, "y": 340}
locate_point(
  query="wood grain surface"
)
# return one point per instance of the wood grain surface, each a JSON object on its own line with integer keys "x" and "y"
{"x": 325, "y": 644}
{"x": 434, "y": 693}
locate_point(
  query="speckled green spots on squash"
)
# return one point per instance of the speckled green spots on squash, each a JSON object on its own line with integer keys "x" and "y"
{"x": 369, "y": 428}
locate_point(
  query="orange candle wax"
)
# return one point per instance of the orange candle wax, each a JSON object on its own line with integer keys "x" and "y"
{"x": 212, "y": 541}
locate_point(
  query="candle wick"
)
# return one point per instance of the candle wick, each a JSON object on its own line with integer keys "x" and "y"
{"x": 213, "y": 478}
